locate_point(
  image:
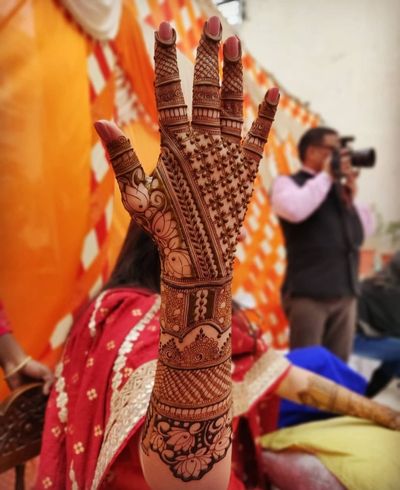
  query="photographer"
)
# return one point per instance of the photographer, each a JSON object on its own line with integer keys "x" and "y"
{"x": 323, "y": 229}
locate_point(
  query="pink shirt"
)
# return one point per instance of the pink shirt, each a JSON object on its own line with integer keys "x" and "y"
{"x": 295, "y": 204}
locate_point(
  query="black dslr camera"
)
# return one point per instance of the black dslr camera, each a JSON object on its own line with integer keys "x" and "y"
{"x": 359, "y": 158}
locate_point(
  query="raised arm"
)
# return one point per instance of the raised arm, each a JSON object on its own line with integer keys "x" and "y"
{"x": 193, "y": 206}
{"x": 295, "y": 203}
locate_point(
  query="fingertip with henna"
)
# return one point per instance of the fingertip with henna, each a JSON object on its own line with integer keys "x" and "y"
{"x": 213, "y": 26}
{"x": 273, "y": 95}
{"x": 107, "y": 130}
{"x": 232, "y": 48}
{"x": 165, "y": 31}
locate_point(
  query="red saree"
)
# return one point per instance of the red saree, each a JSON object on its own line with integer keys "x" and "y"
{"x": 104, "y": 381}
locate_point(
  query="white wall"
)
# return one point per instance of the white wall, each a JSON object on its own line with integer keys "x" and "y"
{"x": 343, "y": 57}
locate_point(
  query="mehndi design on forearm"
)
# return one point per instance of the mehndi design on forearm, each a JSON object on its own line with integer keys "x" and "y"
{"x": 326, "y": 395}
{"x": 193, "y": 206}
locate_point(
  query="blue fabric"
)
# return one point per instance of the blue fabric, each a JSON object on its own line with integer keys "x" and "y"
{"x": 386, "y": 349}
{"x": 320, "y": 361}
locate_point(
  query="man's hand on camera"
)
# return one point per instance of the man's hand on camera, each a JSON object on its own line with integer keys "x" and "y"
{"x": 349, "y": 182}
{"x": 345, "y": 162}
{"x": 345, "y": 167}
{"x": 327, "y": 165}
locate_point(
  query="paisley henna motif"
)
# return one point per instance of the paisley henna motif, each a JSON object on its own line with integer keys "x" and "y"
{"x": 193, "y": 206}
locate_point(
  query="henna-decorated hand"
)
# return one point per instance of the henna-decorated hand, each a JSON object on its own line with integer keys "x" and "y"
{"x": 193, "y": 206}
{"x": 195, "y": 202}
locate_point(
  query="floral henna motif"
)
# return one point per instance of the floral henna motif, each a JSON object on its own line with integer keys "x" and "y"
{"x": 222, "y": 178}
{"x": 188, "y": 423}
{"x": 191, "y": 449}
{"x": 146, "y": 200}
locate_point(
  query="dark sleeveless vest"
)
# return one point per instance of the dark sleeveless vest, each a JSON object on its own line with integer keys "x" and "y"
{"x": 323, "y": 250}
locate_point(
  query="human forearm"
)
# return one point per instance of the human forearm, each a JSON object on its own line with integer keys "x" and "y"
{"x": 295, "y": 203}
{"x": 188, "y": 424}
{"x": 18, "y": 367}
{"x": 307, "y": 388}
{"x": 193, "y": 206}
{"x": 11, "y": 353}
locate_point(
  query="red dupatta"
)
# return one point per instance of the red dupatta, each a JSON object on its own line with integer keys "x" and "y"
{"x": 103, "y": 386}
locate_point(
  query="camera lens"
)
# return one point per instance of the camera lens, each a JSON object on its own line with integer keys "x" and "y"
{"x": 363, "y": 158}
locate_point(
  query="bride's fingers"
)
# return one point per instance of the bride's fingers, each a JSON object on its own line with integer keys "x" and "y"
{"x": 171, "y": 105}
{"x": 107, "y": 130}
{"x": 232, "y": 91}
{"x": 206, "y": 92}
{"x": 120, "y": 152}
{"x": 256, "y": 138}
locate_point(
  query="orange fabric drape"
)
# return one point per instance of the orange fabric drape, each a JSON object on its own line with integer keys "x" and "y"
{"x": 135, "y": 61}
{"x": 45, "y": 143}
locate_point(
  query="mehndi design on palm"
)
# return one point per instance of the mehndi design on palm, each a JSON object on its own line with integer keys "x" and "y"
{"x": 195, "y": 202}
{"x": 193, "y": 206}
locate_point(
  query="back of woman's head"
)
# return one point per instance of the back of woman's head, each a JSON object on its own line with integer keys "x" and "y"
{"x": 138, "y": 263}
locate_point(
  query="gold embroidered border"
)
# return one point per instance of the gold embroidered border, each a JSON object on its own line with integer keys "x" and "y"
{"x": 257, "y": 380}
{"x": 92, "y": 320}
{"x": 72, "y": 477}
{"x": 128, "y": 407}
{"x": 62, "y": 396}
{"x": 130, "y": 404}
{"x": 128, "y": 343}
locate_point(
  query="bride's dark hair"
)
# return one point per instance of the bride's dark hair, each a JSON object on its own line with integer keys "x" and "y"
{"x": 138, "y": 263}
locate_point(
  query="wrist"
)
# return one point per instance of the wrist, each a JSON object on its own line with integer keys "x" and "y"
{"x": 11, "y": 354}
{"x": 187, "y": 304}
{"x": 12, "y": 371}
